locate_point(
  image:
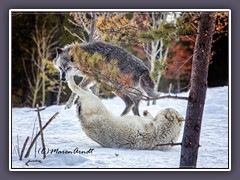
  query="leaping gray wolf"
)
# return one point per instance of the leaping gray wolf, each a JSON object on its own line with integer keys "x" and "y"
{"x": 126, "y": 62}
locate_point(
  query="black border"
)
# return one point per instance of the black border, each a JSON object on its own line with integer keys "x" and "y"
{"x": 138, "y": 4}
{"x": 106, "y": 169}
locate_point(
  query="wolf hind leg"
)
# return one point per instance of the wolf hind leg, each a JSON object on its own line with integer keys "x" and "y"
{"x": 135, "y": 108}
{"x": 128, "y": 102}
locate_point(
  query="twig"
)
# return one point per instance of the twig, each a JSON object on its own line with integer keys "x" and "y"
{"x": 18, "y": 149}
{"x": 146, "y": 98}
{"x": 171, "y": 144}
{"x": 182, "y": 65}
{"x": 14, "y": 149}
{"x": 35, "y": 153}
{"x": 83, "y": 23}
{"x": 38, "y": 134}
{"x": 167, "y": 96}
{"x": 30, "y": 161}
{"x": 74, "y": 34}
{"x": 33, "y": 129}
{"x": 40, "y": 109}
{"x": 185, "y": 87}
{"x": 41, "y": 133}
{"x": 75, "y": 24}
{"x": 23, "y": 148}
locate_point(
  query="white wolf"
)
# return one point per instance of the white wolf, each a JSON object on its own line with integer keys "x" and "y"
{"x": 125, "y": 131}
{"x": 127, "y": 64}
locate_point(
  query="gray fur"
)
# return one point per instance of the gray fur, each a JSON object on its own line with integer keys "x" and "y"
{"x": 126, "y": 62}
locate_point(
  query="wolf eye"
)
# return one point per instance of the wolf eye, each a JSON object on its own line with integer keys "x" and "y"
{"x": 68, "y": 68}
{"x": 60, "y": 68}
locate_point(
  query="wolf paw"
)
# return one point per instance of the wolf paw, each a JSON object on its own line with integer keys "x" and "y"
{"x": 147, "y": 114}
{"x": 68, "y": 105}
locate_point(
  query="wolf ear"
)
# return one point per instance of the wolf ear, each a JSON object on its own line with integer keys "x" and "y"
{"x": 59, "y": 50}
{"x": 72, "y": 60}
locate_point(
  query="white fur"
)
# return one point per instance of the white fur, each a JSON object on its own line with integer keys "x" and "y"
{"x": 125, "y": 131}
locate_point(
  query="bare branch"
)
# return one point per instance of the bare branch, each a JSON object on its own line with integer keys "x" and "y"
{"x": 165, "y": 54}
{"x": 146, "y": 50}
{"x": 25, "y": 72}
{"x": 38, "y": 134}
{"x": 182, "y": 65}
{"x": 24, "y": 146}
{"x": 167, "y": 96}
{"x": 33, "y": 128}
{"x": 158, "y": 49}
{"x": 92, "y": 28}
{"x": 146, "y": 98}
{"x": 53, "y": 44}
{"x": 171, "y": 144}
{"x": 18, "y": 148}
{"x": 83, "y": 23}
{"x": 75, "y": 24}
{"x": 41, "y": 132}
{"x": 35, "y": 152}
{"x": 74, "y": 34}
{"x": 50, "y": 34}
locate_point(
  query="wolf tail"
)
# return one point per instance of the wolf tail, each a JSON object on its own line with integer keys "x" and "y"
{"x": 148, "y": 85}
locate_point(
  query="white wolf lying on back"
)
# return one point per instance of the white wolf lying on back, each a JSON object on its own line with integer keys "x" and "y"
{"x": 127, "y": 64}
{"x": 125, "y": 131}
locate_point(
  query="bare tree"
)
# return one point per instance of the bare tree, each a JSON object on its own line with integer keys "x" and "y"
{"x": 44, "y": 43}
{"x": 155, "y": 49}
{"x": 197, "y": 95}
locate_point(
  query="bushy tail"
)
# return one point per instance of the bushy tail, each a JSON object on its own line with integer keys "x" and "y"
{"x": 148, "y": 85}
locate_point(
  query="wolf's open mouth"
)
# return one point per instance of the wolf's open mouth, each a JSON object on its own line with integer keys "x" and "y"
{"x": 64, "y": 80}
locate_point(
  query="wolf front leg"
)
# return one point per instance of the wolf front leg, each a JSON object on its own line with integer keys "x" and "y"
{"x": 85, "y": 84}
{"x": 71, "y": 100}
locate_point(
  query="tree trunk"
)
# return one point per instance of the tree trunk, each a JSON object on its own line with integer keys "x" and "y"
{"x": 43, "y": 88}
{"x": 153, "y": 60}
{"x": 202, "y": 52}
{"x": 35, "y": 92}
{"x": 178, "y": 84}
{"x": 92, "y": 28}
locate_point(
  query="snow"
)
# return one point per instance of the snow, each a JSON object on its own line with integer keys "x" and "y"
{"x": 65, "y": 134}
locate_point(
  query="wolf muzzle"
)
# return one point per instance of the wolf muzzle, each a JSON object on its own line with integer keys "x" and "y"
{"x": 63, "y": 77}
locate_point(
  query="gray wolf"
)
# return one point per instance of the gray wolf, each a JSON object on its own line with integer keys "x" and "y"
{"x": 132, "y": 132}
{"x": 126, "y": 62}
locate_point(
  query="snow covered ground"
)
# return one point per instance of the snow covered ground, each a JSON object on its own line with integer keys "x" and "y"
{"x": 65, "y": 134}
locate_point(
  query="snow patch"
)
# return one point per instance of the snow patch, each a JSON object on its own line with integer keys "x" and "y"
{"x": 65, "y": 133}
